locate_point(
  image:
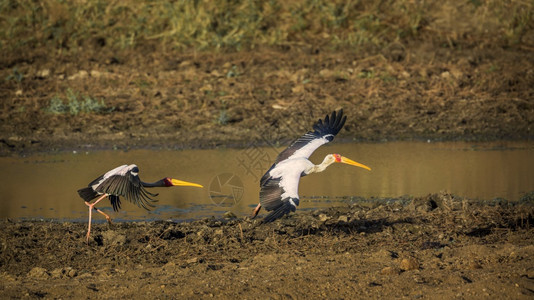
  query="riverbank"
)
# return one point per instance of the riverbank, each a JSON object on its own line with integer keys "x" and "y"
{"x": 267, "y": 96}
{"x": 436, "y": 246}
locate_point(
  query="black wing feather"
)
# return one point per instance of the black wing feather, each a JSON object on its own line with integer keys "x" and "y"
{"x": 127, "y": 185}
{"x": 115, "y": 202}
{"x": 271, "y": 199}
{"x": 328, "y": 129}
{"x": 284, "y": 208}
{"x": 271, "y": 193}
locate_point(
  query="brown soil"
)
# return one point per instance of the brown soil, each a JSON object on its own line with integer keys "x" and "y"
{"x": 437, "y": 246}
{"x": 157, "y": 99}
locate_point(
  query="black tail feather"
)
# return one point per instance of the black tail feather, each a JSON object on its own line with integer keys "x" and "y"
{"x": 87, "y": 194}
{"x": 281, "y": 211}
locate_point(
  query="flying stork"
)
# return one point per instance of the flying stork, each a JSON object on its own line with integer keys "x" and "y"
{"x": 279, "y": 185}
{"x": 124, "y": 181}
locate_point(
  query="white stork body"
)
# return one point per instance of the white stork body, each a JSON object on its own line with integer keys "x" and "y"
{"x": 279, "y": 185}
{"x": 289, "y": 172}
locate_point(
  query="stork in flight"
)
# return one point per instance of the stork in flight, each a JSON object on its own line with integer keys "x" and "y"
{"x": 124, "y": 181}
{"x": 279, "y": 186}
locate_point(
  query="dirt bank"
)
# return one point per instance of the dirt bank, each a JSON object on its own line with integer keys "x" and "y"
{"x": 138, "y": 100}
{"x": 436, "y": 246}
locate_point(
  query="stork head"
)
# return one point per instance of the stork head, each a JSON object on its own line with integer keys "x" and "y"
{"x": 175, "y": 182}
{"x": 342, "y": 159}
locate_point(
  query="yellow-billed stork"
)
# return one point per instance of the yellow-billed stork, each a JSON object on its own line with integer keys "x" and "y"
{"x": 279, "y": 185}
{"x": 124, "y": 181}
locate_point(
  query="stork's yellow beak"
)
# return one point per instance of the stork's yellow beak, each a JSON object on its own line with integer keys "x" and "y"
{"x": 177, "y": 182}
{"x": 353, "y": 163}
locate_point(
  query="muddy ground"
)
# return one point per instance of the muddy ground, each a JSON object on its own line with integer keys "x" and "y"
{"x": 178, "y": 100}
{"x": 439, "y": 246}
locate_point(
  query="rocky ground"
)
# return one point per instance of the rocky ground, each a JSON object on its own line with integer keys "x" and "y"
{"x": 436, "y": 246}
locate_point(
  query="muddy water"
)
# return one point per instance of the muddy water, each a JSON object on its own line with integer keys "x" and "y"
{"x": 44, "y": 186}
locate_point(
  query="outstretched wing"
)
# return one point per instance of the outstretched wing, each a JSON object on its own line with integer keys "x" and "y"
{"x": 124, "y": 181}
{"x": 279, "y": 194}
{"x": 323, "y": 132}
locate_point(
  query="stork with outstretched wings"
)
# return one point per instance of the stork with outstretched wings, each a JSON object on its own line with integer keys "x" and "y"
{"x": 123, "y": 181}
{"x": 279, "y": 185}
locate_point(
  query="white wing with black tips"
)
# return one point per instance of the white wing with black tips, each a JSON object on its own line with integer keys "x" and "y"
{"x": 279, "y": 193}
{"x": 323, "y": 132}
{"x": 281, "y": 182}
{"x": 279, "y": 185}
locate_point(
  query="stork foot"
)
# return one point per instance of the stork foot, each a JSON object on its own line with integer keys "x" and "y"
{"x": 105, "y": 215}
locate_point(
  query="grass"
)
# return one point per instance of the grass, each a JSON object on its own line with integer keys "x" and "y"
{"x": 15, "y": 75}
{"x": 75, "y": 105}
{"x": 242, "y": 24}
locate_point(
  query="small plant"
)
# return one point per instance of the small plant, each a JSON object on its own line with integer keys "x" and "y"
{"x": 366, "y": 74}
{"x": 74, "y": 105}
{"x": 56, "y": 106}
{"x": 16, "y": 76}
{"x": 233, "y": 72}
{"x": 387, "y": 77}
{"x": 222, "y": 119}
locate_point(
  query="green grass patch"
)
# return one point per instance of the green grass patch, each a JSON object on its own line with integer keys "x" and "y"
{"x": 75, "y": 104}
{"x": 15, "y": 76}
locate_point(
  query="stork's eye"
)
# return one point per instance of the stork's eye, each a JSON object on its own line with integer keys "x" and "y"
{"x": 167, "y": 181}
{"x": 337, "y": 157}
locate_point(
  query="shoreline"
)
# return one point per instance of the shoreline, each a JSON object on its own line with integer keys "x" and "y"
{"x": 388, "y": 250}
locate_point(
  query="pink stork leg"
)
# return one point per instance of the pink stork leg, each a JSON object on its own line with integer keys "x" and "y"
{"x": 256, "y": 211}
{"x": 91, "y": 206}
{"x": 105, "y": 215}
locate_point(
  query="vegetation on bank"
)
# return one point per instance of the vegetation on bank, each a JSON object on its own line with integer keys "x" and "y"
{"x": 244, "y": 24}
{"x": 76, "y": 104}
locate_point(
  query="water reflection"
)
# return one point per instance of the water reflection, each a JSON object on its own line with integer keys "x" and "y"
{"x": 44, "y": 186}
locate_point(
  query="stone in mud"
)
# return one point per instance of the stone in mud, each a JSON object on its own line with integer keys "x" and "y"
{"x": 229, "y": 215}
{"x": 193, "y": 260}
{"x": 474, "y": 265}
{"x": 343, "y": 218}
{"x": 408, "y": 264}
{"x": 38, "y": 273}
{"x": 390, "y": 271}
{"x": 63, "y": 272}
{"x": 323, "y": 218}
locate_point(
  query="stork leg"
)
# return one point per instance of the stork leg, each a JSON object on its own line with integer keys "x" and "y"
{"x": 91, "y": 206}
{"x": 105, "y": 215}
{"x": 256, "y": 211}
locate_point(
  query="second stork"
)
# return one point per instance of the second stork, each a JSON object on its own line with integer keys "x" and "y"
{"x": 279, "y": 186}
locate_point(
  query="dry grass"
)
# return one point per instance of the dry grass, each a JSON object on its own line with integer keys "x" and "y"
{"x": 71, "y": 26}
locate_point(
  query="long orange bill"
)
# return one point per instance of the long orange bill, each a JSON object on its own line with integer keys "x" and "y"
{"x": 353, "y": 163}
{"x": 177, "y": 182}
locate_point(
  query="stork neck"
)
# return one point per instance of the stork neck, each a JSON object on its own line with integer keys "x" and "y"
{"x": 322, "y": 166}
{"x": 158, "y": 183}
